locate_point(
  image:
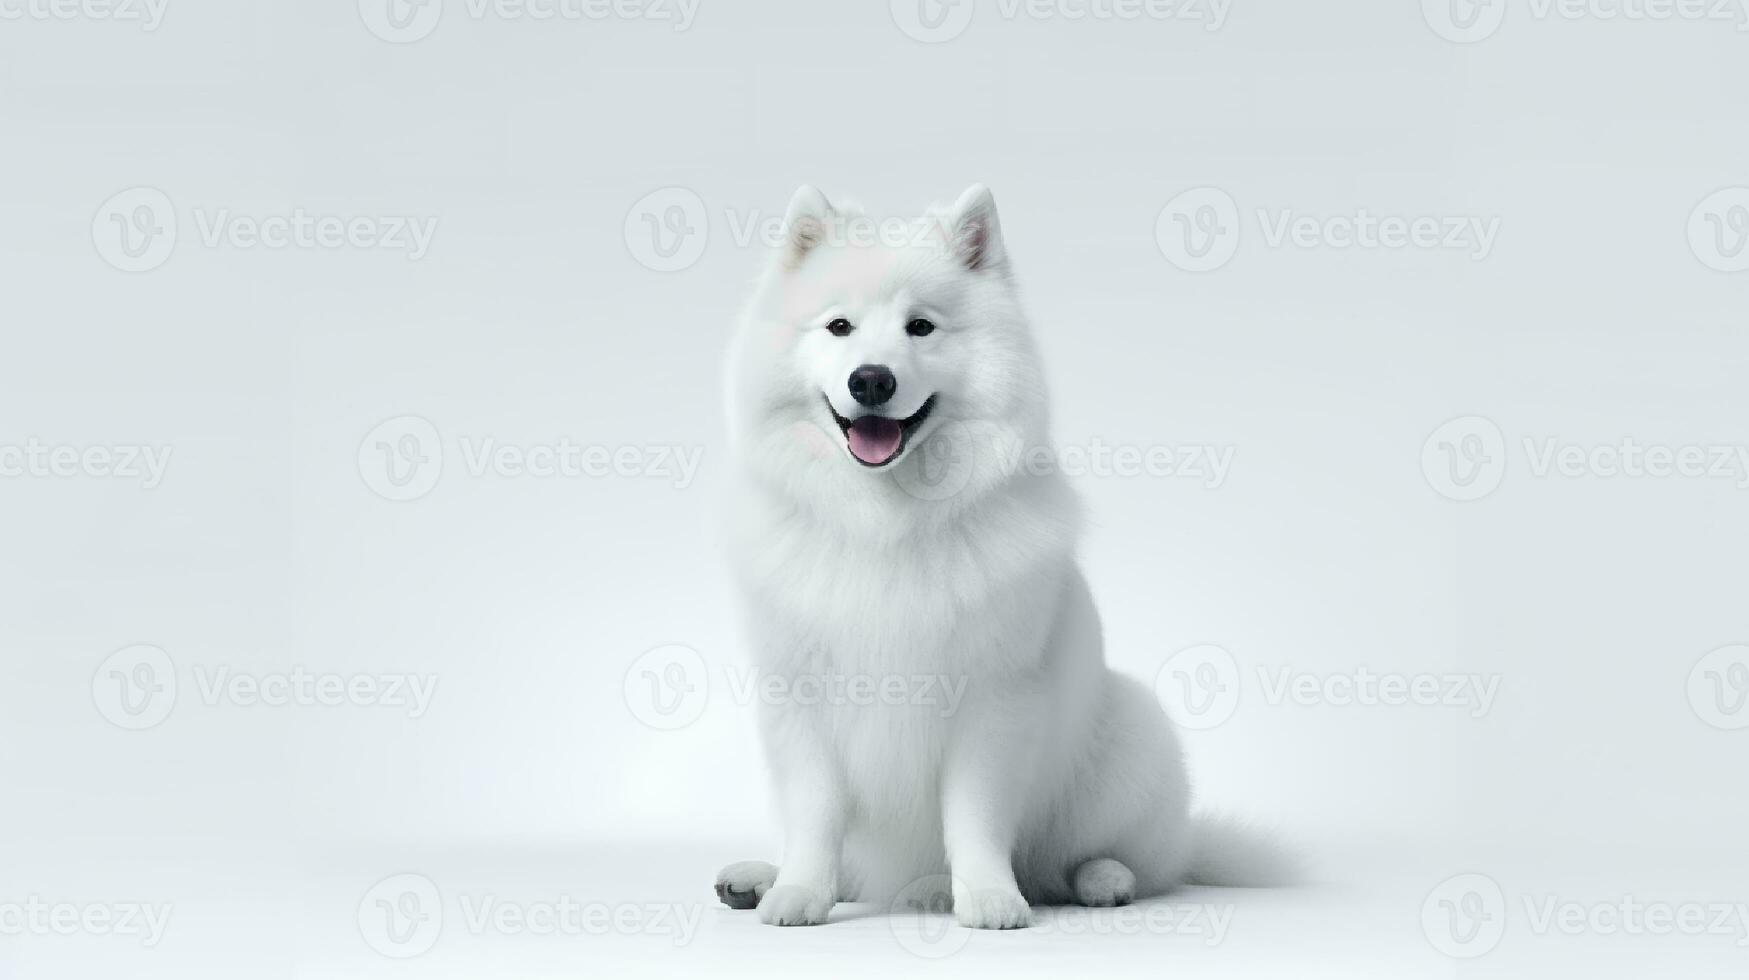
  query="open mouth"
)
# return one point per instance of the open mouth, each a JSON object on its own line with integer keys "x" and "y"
{"x": 876, "y": 440}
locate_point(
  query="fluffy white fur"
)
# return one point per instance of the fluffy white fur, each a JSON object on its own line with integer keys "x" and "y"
{"x": 1054, "y": 780}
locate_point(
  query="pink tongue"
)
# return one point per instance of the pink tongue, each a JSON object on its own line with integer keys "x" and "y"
{"x": 873, "y": 439}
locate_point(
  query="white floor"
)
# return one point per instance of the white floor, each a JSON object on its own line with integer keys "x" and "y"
{"x": 639, "y": 909}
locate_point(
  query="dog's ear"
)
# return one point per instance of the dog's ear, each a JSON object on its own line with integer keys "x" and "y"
{"x": 804, "y": 224}
{"x": 975, "y": 231}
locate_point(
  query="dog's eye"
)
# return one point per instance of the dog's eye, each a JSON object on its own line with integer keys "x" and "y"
{"x": 920, "y": 328}
{"x": 840, "y": 327}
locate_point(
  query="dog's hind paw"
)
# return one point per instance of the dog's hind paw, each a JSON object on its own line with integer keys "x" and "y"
{"x": 741, "y": 885}
{"x": 1104, "y": 882}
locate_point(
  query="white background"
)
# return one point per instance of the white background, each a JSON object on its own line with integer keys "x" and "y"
{"x": 535, "y": 316}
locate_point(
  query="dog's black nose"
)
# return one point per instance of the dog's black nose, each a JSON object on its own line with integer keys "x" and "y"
{"x": 872, "y": 384}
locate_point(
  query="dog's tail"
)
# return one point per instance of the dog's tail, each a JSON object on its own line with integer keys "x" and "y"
{"x": 1225, "y": 851}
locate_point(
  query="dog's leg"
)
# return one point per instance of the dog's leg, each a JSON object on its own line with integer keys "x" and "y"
{"x": 1104, "y": 882}
{"x": 983, "y": 788}
{"x": 741, "y": 885}
{"x": 813, "y": 804}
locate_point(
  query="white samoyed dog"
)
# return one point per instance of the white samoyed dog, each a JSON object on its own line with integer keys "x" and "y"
{"x": 937, "y": 713}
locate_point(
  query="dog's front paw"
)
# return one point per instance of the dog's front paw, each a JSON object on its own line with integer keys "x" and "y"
{"x": 795, "y": 905}
{"x": 991, "y": 908}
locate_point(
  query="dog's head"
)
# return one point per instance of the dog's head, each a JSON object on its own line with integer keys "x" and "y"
{"x": 868, "y": 340}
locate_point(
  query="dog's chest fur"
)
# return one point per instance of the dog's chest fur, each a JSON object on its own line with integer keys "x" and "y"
{"x": 961, "y": 599}
{"x": 930, "y": 619}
